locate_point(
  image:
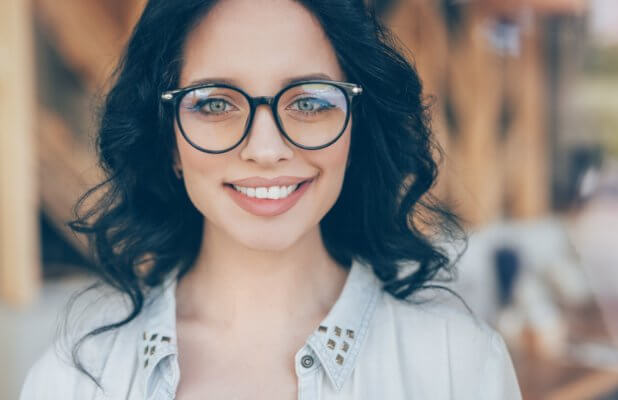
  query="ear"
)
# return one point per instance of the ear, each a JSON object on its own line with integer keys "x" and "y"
{"x": 176, "y": 164}
{"x": 175, "y": 157}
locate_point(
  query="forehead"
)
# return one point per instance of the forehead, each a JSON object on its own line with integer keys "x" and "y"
{"x": 258, "y": 45}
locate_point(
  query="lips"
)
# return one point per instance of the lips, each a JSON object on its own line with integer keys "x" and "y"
{"x": 267, "y": 207}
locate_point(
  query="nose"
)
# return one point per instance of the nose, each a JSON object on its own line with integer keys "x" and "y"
{"x": 265, "y": 144}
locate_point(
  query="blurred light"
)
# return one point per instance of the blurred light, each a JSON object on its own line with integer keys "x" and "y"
{"x": 603, "y": 19}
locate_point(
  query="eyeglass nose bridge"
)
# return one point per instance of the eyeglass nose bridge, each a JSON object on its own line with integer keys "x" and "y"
{"x": 257, "y": 101}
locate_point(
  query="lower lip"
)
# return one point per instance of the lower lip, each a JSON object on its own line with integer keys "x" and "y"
{"x": 267, "y": 207}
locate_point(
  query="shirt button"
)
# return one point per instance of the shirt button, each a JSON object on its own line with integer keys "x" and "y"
{"x": 306, "y": 361}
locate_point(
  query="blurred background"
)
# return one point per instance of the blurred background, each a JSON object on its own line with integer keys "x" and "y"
{"x": 524, "y": 96}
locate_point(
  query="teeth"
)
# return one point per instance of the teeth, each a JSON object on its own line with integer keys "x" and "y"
{"x": 261, "y": 192}
{"x": 273, "y": 192}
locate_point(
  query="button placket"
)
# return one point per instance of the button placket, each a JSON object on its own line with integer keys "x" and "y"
{"x": 308, "y": 375}
{"x": 306, "y": 361}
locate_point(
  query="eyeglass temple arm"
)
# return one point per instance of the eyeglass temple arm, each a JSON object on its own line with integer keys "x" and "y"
{"x": 169, "y": 95}
{"x": 351, "y": 88}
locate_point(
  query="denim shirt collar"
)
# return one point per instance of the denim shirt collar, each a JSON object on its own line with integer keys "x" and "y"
{"x": 337, "y": 341}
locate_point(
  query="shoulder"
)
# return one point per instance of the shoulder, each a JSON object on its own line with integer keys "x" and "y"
{"x": 438, "y": 320}
{"x": 51, "y": 377}
{"x": 54, "y": 375}
{"x": 437, "y": 339}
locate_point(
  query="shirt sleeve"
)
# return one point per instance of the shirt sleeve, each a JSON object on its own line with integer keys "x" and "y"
{"x": 499, "y": 380}
{"x": 49, "y": 378}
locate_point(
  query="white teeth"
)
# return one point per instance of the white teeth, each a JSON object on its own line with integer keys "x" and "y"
{"x": 261, "y": 192}
{"x": 273, "y": 192}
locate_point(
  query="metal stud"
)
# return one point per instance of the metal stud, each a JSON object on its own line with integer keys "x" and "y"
{"x": 345, "y": 346}
{"x": 322, "y": 329}
{"x": 306, "y": 361}
{"x": 339, "y": 359}
{"x": 146, "y": 363}
{"x": 152, "y": 350}
{"x": 337, "y": 331}
{"x": 165, "y": 339}
{"x": 146, "y": 350}
{"x": 153, "y": 337}
{"x": 144, "y": 336}
{"x": 350, "y": 333}
{"x": 331, "y": 344}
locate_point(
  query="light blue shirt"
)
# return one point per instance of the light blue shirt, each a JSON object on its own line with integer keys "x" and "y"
{"x": 369, "y": 346}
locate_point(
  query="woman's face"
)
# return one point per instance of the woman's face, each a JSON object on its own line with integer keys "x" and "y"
{"x": 259, "y": 45}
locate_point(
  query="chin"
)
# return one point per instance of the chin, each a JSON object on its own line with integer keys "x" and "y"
{"x": 269, "y": 243}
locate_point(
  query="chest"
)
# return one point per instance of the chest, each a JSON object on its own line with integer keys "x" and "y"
{"x": 214, "y": 366}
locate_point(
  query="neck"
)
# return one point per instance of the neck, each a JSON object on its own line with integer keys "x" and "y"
{"x": 234, "y": 287}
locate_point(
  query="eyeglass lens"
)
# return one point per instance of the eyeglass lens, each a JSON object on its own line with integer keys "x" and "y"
{"x": 215, "y": 118}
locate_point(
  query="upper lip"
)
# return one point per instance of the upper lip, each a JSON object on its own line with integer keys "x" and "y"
{"x": 257, "y": 181}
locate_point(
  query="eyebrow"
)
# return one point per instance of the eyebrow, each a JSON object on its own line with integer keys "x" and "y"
{"x": 289, "y": 81}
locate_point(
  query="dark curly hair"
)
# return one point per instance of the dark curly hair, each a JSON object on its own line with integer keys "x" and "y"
{"x": 144, "y": 226}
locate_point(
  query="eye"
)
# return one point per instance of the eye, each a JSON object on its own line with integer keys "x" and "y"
{"x": 214, "y": 106}
{"x": 310, "y": 105}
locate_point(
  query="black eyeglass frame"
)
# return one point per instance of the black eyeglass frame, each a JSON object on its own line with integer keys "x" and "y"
{"x": 175, "y": 96}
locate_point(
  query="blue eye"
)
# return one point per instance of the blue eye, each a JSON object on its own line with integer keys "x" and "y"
{"x": 311, "y": 105}
{"x": 213, "y": 106}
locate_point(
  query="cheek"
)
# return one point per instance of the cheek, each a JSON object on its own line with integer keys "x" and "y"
{"x": 337, "y": 154}
{"x": 199, "y": 171}
{"x": 197, "y": 163}
{"x": 332, "y": 162}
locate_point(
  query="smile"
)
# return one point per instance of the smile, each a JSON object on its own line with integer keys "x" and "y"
{"x": 267, "y": 201}
{"x": 272, "y": 192}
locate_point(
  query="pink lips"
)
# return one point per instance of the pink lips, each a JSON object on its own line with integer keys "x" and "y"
{"x": 268, "y": 207}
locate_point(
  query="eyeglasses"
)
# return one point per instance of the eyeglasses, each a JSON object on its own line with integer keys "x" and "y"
{"x": 215, "y": 118}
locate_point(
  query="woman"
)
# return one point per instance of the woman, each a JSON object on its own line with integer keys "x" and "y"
{"x": 263, "y": 221}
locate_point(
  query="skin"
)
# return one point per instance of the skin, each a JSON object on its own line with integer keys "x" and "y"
{"x": 260, "y": 285}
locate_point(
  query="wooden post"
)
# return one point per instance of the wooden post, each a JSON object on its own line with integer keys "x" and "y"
{"x": 419, "y": 25}
{"x": 476, "y": 93}
{"x": 20, "y": 268}
{"x": 89, "y": 34}
{"x": 528, "y": 157}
